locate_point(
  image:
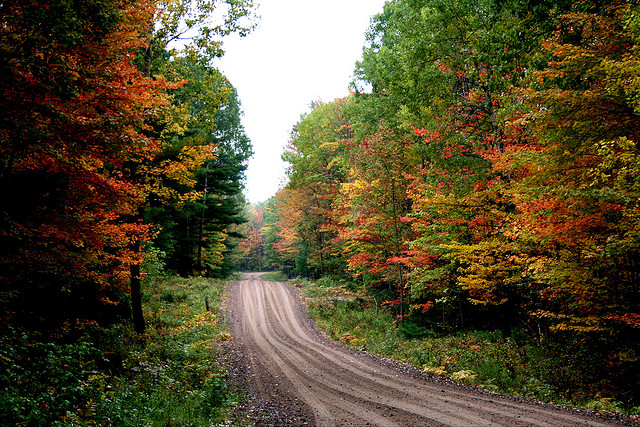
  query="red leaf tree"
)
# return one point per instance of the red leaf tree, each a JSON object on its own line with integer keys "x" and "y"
{"x": 72, "y": 117}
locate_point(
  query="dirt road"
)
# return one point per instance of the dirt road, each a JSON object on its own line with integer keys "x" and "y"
{"x": 304, "y": 379}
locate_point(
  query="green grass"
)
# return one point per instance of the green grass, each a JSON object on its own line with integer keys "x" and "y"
{"x": 168, "y": 376}
{"x": 275, "y": 276}
{"x": 506, "y": 363}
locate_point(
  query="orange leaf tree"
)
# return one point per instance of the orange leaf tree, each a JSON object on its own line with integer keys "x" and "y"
{"x": 577, "y": 201}
{"x": 317, "y": 169}
{"x": 371, "y": 210}
{"x": 72, "y": 116}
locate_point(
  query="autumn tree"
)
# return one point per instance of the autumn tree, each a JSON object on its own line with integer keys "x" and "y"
{"x": 275, "y": 259}
{"x": 576, "y": 202}
{"x": 252, "y": 247}
{"x": 316, "y": 170}
{"x": 371, "y": 210}
{"x": 489, "y": 174}
{"x": 183, "y": 40}
{"x": 74, "y": 112}
{"x": 92, "y": 137}
{"x": 514, "y": 209}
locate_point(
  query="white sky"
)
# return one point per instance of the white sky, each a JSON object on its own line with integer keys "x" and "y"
{"x": 302, "y": 50}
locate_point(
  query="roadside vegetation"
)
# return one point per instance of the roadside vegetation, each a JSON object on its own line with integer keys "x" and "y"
{"x": 122, "y": 157}
{"x": 481, "y": 176}
{"x": 507, "y": 362}
{"x": 113, "y": 376}
{"x": 275, "y": 276}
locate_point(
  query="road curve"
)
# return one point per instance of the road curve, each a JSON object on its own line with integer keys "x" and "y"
{"x": 325, "y": 384}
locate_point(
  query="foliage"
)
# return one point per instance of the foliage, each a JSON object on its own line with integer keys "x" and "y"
{"x": 199, "y": 25}
{"x": 110, "y": 375}
{"x": 317, "y": 155}
{"x": 487, "y": 180}
{"x": 501, "y": 362}
{"x": 74, "y": 117}
{"x": 197, "y": 209}
{"x": 42, "y": 381}
{"x": 101, "y": 123}
{"x": 252, "y": 248}
{"x": 371, "y": 210}
{"x": 275, "y": 276}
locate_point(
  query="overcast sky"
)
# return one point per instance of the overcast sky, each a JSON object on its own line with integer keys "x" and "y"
{"x": 302, "y": 51}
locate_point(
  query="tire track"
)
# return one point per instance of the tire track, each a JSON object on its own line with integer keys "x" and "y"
{"x": 292, "y": 365}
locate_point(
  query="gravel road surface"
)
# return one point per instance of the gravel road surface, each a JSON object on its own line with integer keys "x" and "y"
{"x": 297, "y": 377}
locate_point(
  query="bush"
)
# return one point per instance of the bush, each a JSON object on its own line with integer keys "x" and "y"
{"x": 411, "y": 330}
{"x": 42, "y": 381}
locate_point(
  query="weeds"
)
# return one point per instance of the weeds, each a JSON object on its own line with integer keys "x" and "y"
{"x": 275, "y": 276}
{"x": 113, "y": 376}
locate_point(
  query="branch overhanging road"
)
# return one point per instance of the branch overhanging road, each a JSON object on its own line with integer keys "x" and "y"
{"x": 313, "y": 381}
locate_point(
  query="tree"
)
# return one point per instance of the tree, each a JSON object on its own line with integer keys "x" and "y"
{"x": 222, "y": 182}
{"x": 193, "y": 29}
{"x": 316, "y": 154}
{"x": 90, "y": 143}
{"x": 489, "y": 175}
{"x": 200, "y": 171}
{"x": 252, "y": 246}
{"x": 73, "y": 116}
{"x": 577, "y": 214}
{"x": 372, "y": 207}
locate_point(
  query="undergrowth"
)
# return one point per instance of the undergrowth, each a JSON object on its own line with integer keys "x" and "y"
{"x": 510, "y": 363}
{"x": 275, "y": 276}
{"x": 112, "y": 376}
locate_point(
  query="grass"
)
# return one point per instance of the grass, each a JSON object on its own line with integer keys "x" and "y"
{"x": 275, "y": 276}
{"x": 169, "y": 376}
{"x": 112, "y": 376}
{"x": 493, "y": 360}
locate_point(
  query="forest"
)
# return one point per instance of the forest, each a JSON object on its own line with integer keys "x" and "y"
{"x": 119, "y": 145}
{"x": 122, "y": 155}
{"x": 482, "y": 174}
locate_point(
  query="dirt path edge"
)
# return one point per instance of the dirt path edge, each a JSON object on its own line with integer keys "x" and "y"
{"x": 254, "y": 410}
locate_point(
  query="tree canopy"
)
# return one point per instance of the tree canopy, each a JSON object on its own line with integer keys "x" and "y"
{"x": 483, "y": 174}
{"x": 111, "y": 138}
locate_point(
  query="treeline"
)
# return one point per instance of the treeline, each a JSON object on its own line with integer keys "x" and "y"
{"x": 483, "y": 173}
{"x": 121, "y": 152}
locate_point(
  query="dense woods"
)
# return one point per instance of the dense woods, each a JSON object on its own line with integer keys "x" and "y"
{"x": 118, "y": 146}
{"x": 122, "y": 155}
{"x": 482, "y": 174}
